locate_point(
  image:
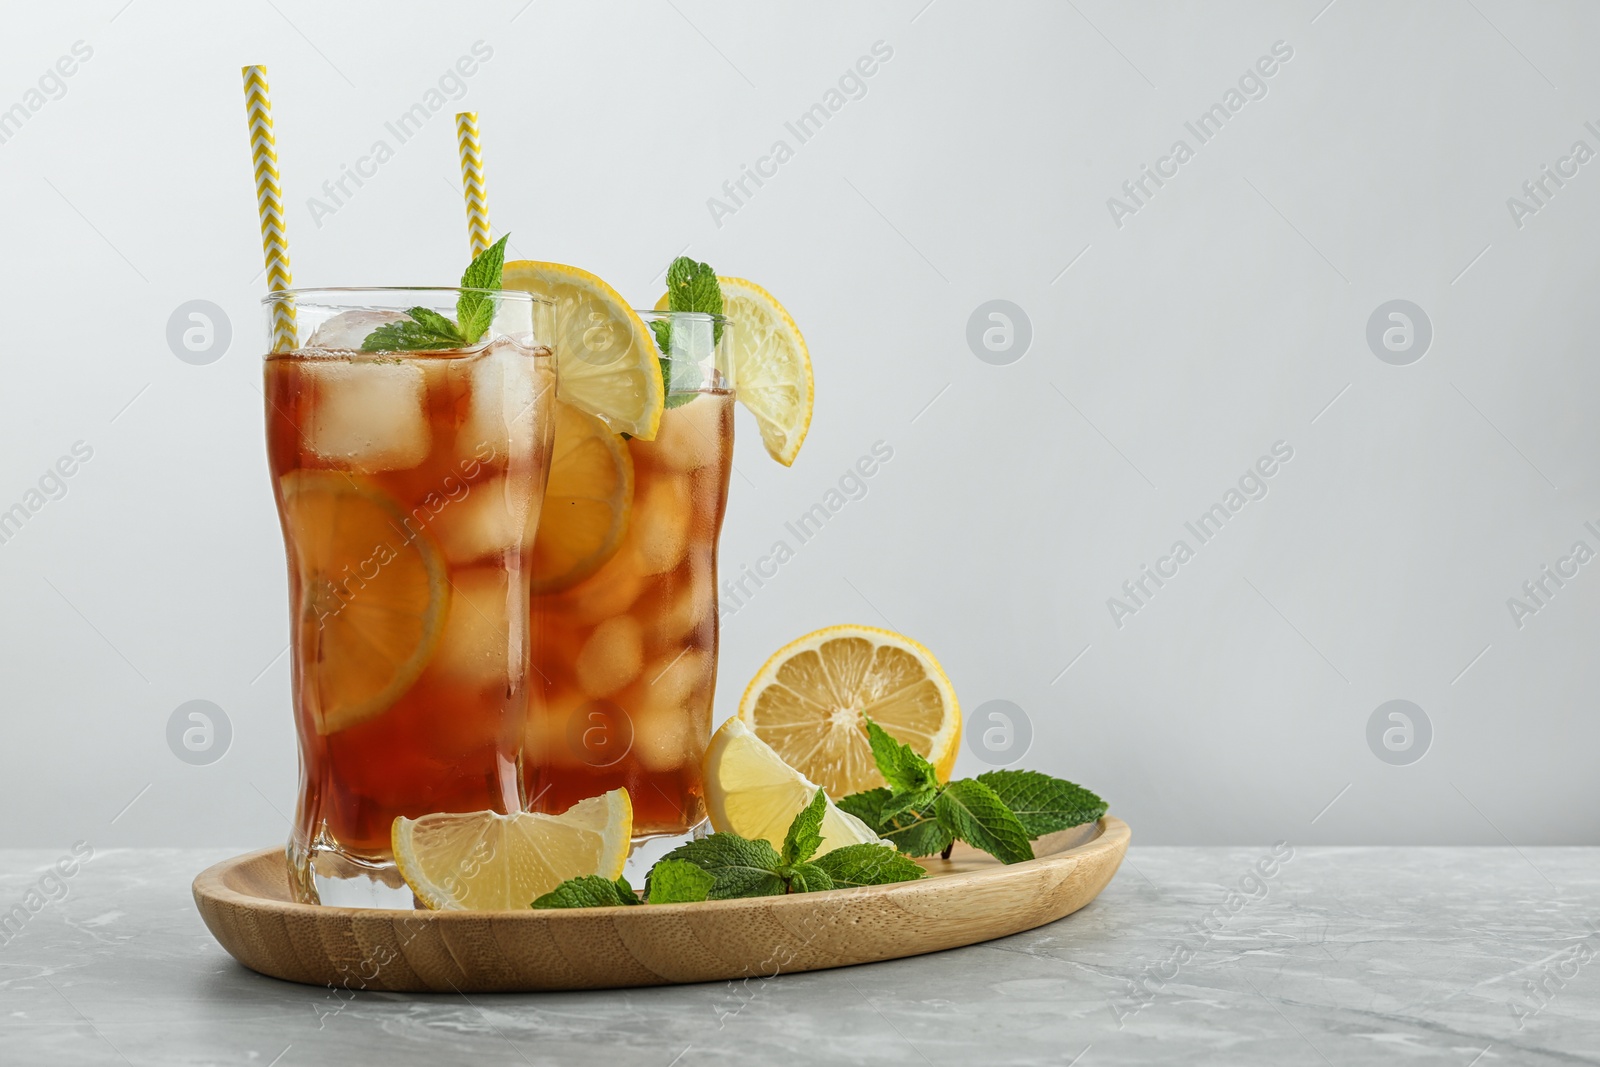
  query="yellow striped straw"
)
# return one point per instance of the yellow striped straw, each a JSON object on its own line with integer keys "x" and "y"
{"x": 269, "y": 200}
{"x": 472, "y": 180}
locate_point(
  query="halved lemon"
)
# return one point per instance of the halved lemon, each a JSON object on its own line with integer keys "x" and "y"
{"x": 751, "y": 792}
{"x": 587, "y": 501}
{"x": 606, "y": 361}
{"x": 372, "y": 600}
{"x": 811, "y": 699}
{"x": 483, "y": 861}
{"x": 771, "y": 366}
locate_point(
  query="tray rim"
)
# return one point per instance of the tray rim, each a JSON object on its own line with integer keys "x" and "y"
{"x": 209, "y": 884}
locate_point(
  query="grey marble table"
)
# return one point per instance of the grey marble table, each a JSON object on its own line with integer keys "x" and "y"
{"x": 1451, "y": 956}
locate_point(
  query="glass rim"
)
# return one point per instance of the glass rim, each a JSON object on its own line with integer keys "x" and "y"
{"x": 278, "y": 295}
{"x": 699, "y": 316}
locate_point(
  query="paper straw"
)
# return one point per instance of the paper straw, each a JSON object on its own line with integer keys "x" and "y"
{"x": 472, "y": 180}
{"x": 269, "y": 200}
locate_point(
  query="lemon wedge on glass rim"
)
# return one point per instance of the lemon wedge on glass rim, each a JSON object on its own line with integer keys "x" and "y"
{"x": 606, "y": 361}
{"x": 771, "y": 366}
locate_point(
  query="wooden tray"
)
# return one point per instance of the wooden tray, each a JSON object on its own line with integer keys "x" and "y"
{"x": 966, "y": 899}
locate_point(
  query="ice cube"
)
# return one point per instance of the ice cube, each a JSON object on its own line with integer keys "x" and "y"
{"x": 484, "y": 519}
{"x": 612, "y": 657}
{"x": 348, "y": 329}
{"x": 665, "y": 742}
{"x": 689, "y": 438}
{"x": 683, "y": 608}
{"x": 477, "y": 639}
{"x": 661, "y": 519}
{"x": 546, "y": 738}
{"x": 670, "y": 680}
{"x": 367, "y": 416}
{"x": 610, "y": 592}
{"x": 671, "y": 712}
{"x": 508, "y": 398}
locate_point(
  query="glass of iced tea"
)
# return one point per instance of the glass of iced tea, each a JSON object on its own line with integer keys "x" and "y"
{"x": 625, "y": 592}
{"x": 409, "y": 485}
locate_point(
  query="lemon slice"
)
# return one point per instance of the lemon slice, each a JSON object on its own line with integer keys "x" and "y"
{"x": 606, "y": 360}
{"x": 771, "y": 366}
{"x": 751, "y": 792}
{"x": 587, "y": 501}
{"x": 810, "y": 700}
{"x": 372, "y": 603}
{"x": 483, "y": 861}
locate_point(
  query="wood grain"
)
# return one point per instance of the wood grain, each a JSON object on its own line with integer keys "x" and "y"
{"x": 969, "y": 898}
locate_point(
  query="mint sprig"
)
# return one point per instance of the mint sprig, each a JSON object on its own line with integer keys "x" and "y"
{"x": 723, "y": 866}
{"x": 427, "y": 330}
{"x": 691, "y": 286}
{"x": 999, "y": 812}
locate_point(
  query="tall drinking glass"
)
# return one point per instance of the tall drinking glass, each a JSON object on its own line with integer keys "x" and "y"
{"x": 409, "y": 485}
{"x": 625, "y": 648}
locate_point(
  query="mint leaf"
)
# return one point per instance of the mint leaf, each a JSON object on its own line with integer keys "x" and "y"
{"x": 1044, "y": 804}
{"x": 679, "y": 882}
{"x": 691, "y": 286}
{"x": 900, "y": 803}
{"x": 902, "y": 768}
{"x": 434, "y": 322}
{"x": 662, "y": 328}
{"x": 866, "y": 805}
{"x": 426, "y": 330}
{"x": 805, "y": 832}
{"x": 589, "y": 891}
{"x": 739, "y": 868}
{"x": 855, "y": 865}
{"x": 808, "y": 878}
{"x": 486, "y": 267}
{"x": 690, "y": 386}
{"x": 974, "y": 813}
{"x": 916, "y": 832}
{"x": 474, "y": 311}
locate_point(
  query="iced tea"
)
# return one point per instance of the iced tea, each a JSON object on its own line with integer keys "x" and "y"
{"x": 627, "y": 657}
{"x": 409, "y": 486}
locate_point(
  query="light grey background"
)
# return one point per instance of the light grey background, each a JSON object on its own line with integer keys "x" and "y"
{"x": 1168, "y": 354}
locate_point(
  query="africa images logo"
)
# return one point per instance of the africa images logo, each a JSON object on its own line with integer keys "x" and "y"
{"x": 1252, "y": 485}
